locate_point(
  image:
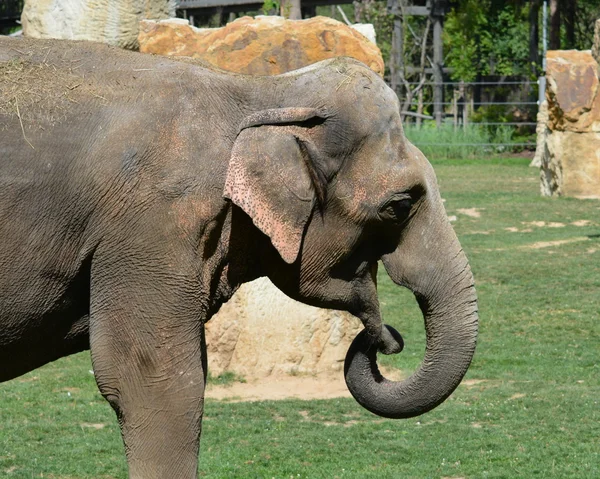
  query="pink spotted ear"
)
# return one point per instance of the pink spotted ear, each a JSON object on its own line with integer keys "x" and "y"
{"x": 268, "y": 179}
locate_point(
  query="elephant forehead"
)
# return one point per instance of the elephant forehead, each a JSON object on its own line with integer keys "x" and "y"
{"x": 381, "y": 183}
{"x": 381, "y": 173}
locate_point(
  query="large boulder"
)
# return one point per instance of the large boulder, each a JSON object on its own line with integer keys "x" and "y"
{"x": 570, "y": 160}
{"x": 261, "y": 332}
{"x": 107, "y": 21}
{"x": 265, "y": 45}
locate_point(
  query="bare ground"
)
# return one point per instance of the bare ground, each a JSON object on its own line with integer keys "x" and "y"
{"x": 287, "y": 387}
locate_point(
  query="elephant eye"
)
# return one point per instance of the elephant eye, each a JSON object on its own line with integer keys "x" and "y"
{"x": 397, "y": 209}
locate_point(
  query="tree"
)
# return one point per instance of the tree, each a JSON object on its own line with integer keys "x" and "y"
{"x": 291, "y": 9}
{"x": 554, "y": 25}
{"x": 534, "y": 36}
{"x": 570, "y": 9}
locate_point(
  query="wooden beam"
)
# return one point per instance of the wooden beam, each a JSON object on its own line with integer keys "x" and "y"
{"x": 397, "y": 51}
{"x": 417, "y": 11}
{"x": 208, "y": 4}
{"x": 411, "y": 70}
{"x": 438, "y": 61}
{"x": 418, "y": 115}
{"x": 189, "y": 4}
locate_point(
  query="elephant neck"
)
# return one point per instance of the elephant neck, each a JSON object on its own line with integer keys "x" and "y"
{"x": 236, "y": 259}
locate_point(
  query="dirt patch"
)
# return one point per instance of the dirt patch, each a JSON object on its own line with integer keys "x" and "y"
{"x": 287, "y": 387}
{"x": 543, "y": 224}
{"x": 581, "y": 223}
{"x": 473, "y": 382}
{"x": 471, "y": 212}
{"x": 96, "y": 426}
{"x": 516, "y": 396}
{"x": 549, "y": 244}
{"x": 512, "y": 229}
{"x": 273, "y": 389}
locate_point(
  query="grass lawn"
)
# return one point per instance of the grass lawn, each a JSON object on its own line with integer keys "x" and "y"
{"x": 529, "y": 406}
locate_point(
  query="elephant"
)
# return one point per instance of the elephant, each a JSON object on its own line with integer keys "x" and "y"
{"x": 139, "y": 192}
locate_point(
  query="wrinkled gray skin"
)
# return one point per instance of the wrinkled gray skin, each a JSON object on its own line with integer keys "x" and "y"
{"x": 137, "y": 193}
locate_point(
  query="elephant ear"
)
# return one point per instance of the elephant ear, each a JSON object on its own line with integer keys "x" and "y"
{"x": 271, "y": 175}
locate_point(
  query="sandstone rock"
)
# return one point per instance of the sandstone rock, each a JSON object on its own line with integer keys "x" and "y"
{"x": 571, "y": 157}
{"x": 265, "y": 45}
{"x": 572, "y": 166}
{"x": 541, "y": 131}
{"x": 262, "y": 332}
{"x": 571, "y": 91}
{"x": 115, "y": 23}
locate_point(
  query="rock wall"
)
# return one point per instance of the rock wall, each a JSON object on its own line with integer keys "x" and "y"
{"x": 265, "y": 45}
{"x": 107, "y": 21}
{"x": 570, "y": 157}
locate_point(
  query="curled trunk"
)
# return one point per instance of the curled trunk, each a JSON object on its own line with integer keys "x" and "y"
{"x": 432, "y": 264}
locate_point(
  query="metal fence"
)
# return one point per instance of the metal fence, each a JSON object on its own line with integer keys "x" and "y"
{"x": 505, "y": 108}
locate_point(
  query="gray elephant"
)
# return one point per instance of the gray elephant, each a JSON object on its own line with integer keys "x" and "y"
{"x": 139, "y": 192}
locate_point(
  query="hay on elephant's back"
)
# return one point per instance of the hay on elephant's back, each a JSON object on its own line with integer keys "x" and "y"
{"x": 41, "y": 93}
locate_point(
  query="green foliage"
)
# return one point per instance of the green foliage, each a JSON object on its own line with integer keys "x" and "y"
{"x": 226, "y": 378}
{"x": 481, "y": 43}
{"x": 509, "y": 49}
{"x": 466, "y": 36}
{"x": 375, "y": 13}
{"x": 587, "y": 12}
{"x": 270, "y": 6}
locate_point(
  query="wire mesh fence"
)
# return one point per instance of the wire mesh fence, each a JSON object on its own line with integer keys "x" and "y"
{"x": 491, "y": 115}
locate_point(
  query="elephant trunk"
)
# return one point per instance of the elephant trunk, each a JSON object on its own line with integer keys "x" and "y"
{"x": 432, "y": 264}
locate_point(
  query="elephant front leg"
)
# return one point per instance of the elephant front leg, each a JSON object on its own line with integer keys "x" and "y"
{"x": 149, "y": 357}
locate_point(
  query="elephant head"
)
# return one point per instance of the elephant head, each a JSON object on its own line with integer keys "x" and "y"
{"x": 329, "y": 177}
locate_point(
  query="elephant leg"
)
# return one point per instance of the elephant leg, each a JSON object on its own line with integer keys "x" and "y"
{"x": 149, "y": 357}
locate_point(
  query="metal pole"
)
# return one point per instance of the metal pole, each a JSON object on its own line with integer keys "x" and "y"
{"x": 542, "y": 78}
{"x": 544, "y": 34}
{"x": 438, "y": 59}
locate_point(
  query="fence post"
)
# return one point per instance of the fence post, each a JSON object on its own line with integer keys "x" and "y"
{"x": 397, "y": 53}
{"x": 455, "y": 108}
{"x": 541, "y": 89}
{"x": 438, "y": 59}
{"x": 437, "y": 16}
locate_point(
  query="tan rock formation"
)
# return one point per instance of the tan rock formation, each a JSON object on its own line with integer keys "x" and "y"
{"x": 571, "y": 158}
{"x": 107, "y": 21}
{"x": 260, "y": 332}
{"x": 265, "y": 45}
{"x": 541, "y": 131}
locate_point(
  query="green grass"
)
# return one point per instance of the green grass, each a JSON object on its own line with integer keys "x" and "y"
{"x": 529, "y": 408}
{"x": 472, "y": 141}
{"x": 226, "y": 378}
